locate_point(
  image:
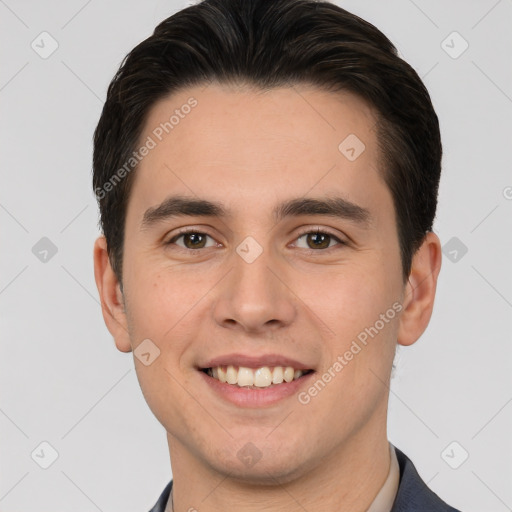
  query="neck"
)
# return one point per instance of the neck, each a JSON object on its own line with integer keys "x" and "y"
{"x": 348, "y": 479}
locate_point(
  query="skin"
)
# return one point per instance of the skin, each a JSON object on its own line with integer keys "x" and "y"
{"x": 251, "y": 150}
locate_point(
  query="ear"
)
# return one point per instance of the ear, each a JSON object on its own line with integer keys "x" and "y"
{"x": 112, "y": 300}
{"x": 420, "y": 290}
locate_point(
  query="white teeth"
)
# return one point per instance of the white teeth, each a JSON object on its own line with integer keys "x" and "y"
{"x": 245, "y": 376}
{"x": 277, "y": 376}
{"x": 261, "y": 377}
{"x": 231, "y": 375}
{"x": 221, "y": 374}
{"x": 288, "y": 374}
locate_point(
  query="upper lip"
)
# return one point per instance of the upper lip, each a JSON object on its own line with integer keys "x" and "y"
{"x": 249, "y": 361}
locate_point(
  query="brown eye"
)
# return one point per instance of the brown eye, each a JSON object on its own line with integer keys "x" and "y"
{"x": 194, "y": 240}
{"x": 319, "y": 240}
{"x": 191, "y": 240}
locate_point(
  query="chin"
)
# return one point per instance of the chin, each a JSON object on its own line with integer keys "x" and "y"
{"x": 268, "y": 467}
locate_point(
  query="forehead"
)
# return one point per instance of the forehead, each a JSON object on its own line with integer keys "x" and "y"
{"x": 295, "y": 115}
{"x": 208, "y": 140}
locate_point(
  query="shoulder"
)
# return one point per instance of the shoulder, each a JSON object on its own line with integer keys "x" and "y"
{"x": 413, "y": 494}
{"x": 162, "y": 500}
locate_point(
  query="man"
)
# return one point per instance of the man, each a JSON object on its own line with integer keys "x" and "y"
{"x": 267, "y": 175}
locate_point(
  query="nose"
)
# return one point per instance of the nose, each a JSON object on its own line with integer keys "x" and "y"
{"x": 255, "y": 297}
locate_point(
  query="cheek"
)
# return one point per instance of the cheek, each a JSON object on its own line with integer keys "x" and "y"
{"x": 158, "y": 299}
{"x": 360, "y": 308}
{"x": 358, "y": 353}
{"x": 350, "y": 299}
{"x": 163, "y": 389}
{"x": 168, "y": 305}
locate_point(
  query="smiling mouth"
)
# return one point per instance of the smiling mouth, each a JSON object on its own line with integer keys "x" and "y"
{"x": 255, "y": 378}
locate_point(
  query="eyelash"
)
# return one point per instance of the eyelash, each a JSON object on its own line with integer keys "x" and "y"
{"x": 317, "y": 231}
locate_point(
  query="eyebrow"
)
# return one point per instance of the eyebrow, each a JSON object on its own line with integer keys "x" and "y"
{"x": 183, "y": 206}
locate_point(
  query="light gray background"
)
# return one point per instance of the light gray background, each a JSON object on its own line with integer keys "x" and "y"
{"x": 62, "y": 379}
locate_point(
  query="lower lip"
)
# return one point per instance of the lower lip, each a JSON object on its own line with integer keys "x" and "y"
{"x": 247, "y": 397}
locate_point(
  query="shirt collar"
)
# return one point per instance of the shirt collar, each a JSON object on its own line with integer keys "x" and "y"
{"x": 384, "y": 500}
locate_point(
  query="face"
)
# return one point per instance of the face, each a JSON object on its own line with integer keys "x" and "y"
{"x": 296, "y": 264}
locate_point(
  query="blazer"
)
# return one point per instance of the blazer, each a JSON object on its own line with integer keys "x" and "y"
{"x": 413, "y": 495}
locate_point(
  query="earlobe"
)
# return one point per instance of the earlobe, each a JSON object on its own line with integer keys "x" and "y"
{"x": 420, "y": 290}
{"x": 111, "y": 297}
